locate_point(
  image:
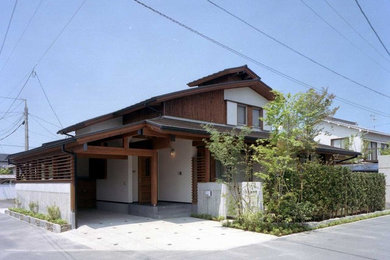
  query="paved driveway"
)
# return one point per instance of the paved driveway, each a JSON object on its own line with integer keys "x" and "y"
{"x": 368, "y": 239}
{"x": 114, "y": 231}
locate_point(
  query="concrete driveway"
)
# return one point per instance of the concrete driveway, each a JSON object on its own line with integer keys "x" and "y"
{"x": 102, "y": 230}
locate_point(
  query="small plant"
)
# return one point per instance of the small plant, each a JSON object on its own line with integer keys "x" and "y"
{"x": 207, "y": 217}
{"x": 5, "y": 171}
{"x": 54, "y": 212}
{"x": 34, "y": 207}
{"x": 18, "y": 204}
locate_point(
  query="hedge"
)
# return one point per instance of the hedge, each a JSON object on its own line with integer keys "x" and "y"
{"x": 337, "y": 191}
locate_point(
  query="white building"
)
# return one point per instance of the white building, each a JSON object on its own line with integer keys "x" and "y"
{"x": 348, "y": 135}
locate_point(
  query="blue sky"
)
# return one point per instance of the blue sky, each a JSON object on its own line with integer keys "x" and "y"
{"x": 116, "y": 53}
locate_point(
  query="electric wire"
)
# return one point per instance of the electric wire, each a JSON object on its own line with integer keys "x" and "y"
{"x": 44, "y": 120}
{"x": 355, "y": 30}
{"x": 372, "y": 27}
{"x": 8, "y": 26}
{"x": 277, "y": 72}
{"x": 47, "y": 99}
{"x": 296, "y": 51}
{"x": 43, "y": 127}
{"x": 21, "y": 36}
{"x": 342, "y": 35}
{"x": 1, "y": 139}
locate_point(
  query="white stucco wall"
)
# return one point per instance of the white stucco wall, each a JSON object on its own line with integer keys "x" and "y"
{"x": 384, "y": 167}
{"x": 45, "y": 194}
{"x": 116, "y": 186}
{"x": 333, "y": 131}
{"x": 100, "y": 126}
{"x": 173, "y": 186}
{"x": 245, "y": 96}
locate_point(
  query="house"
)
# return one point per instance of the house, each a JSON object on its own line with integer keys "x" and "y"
{"x": 348, "y": 135}
{"x": 7, "y": 180}
{"x": 142, "y": 158}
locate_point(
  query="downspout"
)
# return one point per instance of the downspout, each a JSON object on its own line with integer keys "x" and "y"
{"x": 74, "y": 215}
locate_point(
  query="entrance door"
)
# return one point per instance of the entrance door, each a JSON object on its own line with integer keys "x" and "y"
{"x": 144, "y": 180}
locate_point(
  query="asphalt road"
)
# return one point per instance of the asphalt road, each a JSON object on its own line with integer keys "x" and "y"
{"x": 368, "y": 239}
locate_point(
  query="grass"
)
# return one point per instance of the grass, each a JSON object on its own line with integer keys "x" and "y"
{"x": 38, "y": 215}
{"x": 207, "y": 217}
{"x": 282, "y": 229}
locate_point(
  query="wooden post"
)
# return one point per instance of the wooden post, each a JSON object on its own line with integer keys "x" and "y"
{"x": 154, "y": 178}
{"x": 207, "y": 163}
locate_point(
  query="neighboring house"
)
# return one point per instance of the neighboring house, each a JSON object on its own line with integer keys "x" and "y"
{"x": 150, "y": 153}
{"x": 348, "y": 135}
{"x": 7, "y": 186}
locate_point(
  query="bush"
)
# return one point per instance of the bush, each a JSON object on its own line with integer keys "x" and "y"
{"x": 34, "y": 207}
{"x": 336, "y": 191}
{"x": 54, "y": 212}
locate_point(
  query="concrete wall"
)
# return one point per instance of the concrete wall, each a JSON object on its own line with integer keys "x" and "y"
{"x": 384, "y": 167}
{"x": 213, "y": 198}
{"x": 7, "y": 191}
{"x": 245, "y": 96}
{"x": 45, "y": 194}
{"x": 116, "y": 186}
{"x": 100, "y": 126}
{"x": 175, "y": 175}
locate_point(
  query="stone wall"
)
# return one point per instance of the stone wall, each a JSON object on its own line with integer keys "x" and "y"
{"x": 214, "y": 198}
{"x": 384, "y": 167}
{"x": 45, "y": 195}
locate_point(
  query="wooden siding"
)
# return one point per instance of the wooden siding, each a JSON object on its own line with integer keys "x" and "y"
{"x": 209, "y": 106}
{"x": 57, "y": 167}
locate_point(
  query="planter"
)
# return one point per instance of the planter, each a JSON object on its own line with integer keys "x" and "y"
{"x": 314, "y": 224}
{"x": 57, "y": 228}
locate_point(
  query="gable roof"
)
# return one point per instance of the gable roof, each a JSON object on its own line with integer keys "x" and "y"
{"x": 243, "y": 71}
{"x": 252, "y": 82}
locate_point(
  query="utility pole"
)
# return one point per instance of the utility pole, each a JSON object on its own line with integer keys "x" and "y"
{"x": 26, "y": 141}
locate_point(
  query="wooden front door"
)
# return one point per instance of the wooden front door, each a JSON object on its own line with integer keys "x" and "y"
{"x": 144, "y": 180}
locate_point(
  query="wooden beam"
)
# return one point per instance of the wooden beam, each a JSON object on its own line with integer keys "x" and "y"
{"x": 110, "y": 133}
{"x": 104, "y": 150}
{"x": 102, "y": 156}
{"x": 149, "y": 132}
{"x": 161, "y": 143}
{"x": 207, "y": 162}
{"x": 154, "y": 178}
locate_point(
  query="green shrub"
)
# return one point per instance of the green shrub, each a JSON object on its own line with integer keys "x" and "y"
{"x": 33, "y": 206}
{"x": 54, "y": 212}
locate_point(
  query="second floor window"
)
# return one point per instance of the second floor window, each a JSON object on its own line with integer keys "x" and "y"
{"x": 241, "y": 114}
{"x": 339, "y": 143}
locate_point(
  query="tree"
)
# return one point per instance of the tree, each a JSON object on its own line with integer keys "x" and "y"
{"x": 230, "y": 149}
{"x": 294, "y": 121}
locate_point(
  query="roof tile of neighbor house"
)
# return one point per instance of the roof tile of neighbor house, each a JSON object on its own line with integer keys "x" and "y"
{"x": 353, "y": 125}
{"x": 3, "y": 157}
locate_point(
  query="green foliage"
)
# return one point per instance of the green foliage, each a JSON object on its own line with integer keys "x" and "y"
{"x": 386, "y": 151}
{"x": 230, "y": 149}
{"x": 294, "y": 122}
{"x": 207, "y": 217}
{"x": 39, "y": 216}
{"x": 5, "y": 171}
{"x": 336, "y": 191}
{"x": 54, "y": 212}
{"x": 33, "y": 206}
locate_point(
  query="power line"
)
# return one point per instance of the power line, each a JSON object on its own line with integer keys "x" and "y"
{"x": 342, "y": 35}
{"x": 17, "y": 97}
{"x": 296, "y": 51}
{"x": 61, "y": 32}
{"x": 47, "y": 130}
{"x": 21, "y": 36}
{"x": 247, "y": 57}
{"x": 9, "y": 25}
{"x": 44, "y": 120}
{"x": 47, "y": 99}
{"x": 355, "y": 30}
{"x": 372, "y": 27}
{"x": 47, "y": 50}
{"x": 1, "y": 139}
